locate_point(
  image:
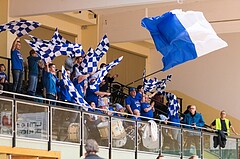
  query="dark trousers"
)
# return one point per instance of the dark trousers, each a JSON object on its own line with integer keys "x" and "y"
{"x": 17, "y": 80}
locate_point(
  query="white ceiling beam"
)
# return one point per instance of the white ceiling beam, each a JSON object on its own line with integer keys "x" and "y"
{"x": 29, "y": 7}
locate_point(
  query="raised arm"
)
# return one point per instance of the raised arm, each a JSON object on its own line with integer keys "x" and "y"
{"x": 17, "y": 39}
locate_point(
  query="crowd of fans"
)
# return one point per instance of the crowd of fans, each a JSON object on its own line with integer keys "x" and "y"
{"x": 43, "y": 82}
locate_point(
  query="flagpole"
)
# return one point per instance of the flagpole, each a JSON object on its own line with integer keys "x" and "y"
{"x": 143, "y": 77}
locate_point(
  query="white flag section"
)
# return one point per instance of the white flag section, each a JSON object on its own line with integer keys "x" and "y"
{"x": 182, "y": 36}
{"x": 104, "y": 71}
{"x": 200, "y": 31}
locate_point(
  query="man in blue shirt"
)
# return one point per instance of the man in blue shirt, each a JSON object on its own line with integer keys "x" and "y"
{"x": 132, "y": 102}
{"x": 17, "y": 65}
{"x": 51, "y": 82}
{"x": 147, "y": 109}
{"x": 93, "y": 93}
{"x": 33, "y": 72}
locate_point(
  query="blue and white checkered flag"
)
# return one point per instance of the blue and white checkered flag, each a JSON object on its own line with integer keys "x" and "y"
{"x": 102, "y": 47}
{"x": 150, "y": 84}
{"x": 104, "y": 71}
{"x": 49, "y": 51}
{"x": 174, "y": 105}
{"x": 90, "y": 62}
{"x": 58, "y": 39}
{"x": 163, "y": 83}
{"x": 19, "y": 27}
{"x": 73, "y": 91}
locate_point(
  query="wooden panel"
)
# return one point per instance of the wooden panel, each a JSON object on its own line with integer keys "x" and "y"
{"x": 3, "y": 156}
{"x": 130, "y": 68}
{"x": 29, "y": 152}
{"x": 24, "y": 157}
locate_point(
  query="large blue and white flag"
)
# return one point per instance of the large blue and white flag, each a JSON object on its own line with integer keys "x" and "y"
{"x": 73, "y": 91}
{"x": 182, "y": 36}
{"x": 100, "y": 74}
{"x": 19, "y": 27}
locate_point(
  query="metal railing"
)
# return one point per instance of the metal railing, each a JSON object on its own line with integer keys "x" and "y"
{"x": 38, "y": 119}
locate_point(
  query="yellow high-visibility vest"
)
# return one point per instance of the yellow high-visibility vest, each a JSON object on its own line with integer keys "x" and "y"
{"x": 219, "y": 126}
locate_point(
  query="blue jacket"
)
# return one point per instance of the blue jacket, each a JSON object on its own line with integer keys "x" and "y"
{"x": 196, "y": 118}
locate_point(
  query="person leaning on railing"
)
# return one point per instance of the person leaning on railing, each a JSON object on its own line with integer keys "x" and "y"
{"x": 194, "y": 120}
{"x": 223, "y": 124}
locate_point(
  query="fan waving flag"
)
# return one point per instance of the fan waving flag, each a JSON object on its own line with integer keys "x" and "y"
{"x": 150, "y": 84}
{"x": 58, "y": 39}
{"x": 102, "y": 47}
{"x": 73, "y": 91}
{"x": 104, "y": 71}
{"x": 90, "y": 62}
{"x": 49, "y": 51}
{"x": 19, "y": 27}
{"x": 182, "y": 36}
{"x": 174, "y": 105}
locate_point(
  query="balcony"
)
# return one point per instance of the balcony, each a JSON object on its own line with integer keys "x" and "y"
{"x": 31, "y": 122}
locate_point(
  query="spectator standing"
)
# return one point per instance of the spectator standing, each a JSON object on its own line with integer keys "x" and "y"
{"x": 223, "y": 124}
{"x": 17, "y": 65}
{"x": 193, "y": 119}
{"x": 69, "y": 64}
{"x": 33, "y": 72}
{"x": 93, "y": 93}
{"x": 106, "y": 80}
{"x": 51, "y": 82}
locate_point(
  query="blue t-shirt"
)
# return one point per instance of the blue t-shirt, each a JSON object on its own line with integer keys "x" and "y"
{"x": 33, "y": 65}
{"x": 139, "y": 96}
{"x": 148, "y": 114}
{"x": 51, "y": 83}
{"x": 3, "y": 76}
{"x": 91, "y": 96}
{"x": 17, "y": 60}
{"x": 65, "y": 95}
{"x": 133, "y": 102}
{"x": 79, "y": 86}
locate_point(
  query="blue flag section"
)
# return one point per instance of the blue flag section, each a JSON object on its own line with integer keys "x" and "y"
{"x": 182, "y": 36}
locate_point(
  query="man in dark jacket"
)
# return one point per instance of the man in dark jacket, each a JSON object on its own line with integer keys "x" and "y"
{"x": 193, "y": 120}
{"x": 91, "y": 148}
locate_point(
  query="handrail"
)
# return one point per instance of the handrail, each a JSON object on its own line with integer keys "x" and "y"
{"x": 108, "y": 111}
{"x": 183, "y": 129}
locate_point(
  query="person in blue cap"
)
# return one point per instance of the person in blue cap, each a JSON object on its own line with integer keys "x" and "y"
{"x": 132, "y": 102}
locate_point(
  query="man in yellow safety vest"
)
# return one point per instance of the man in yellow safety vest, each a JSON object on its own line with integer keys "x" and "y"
{"x": 223, "y": 124}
